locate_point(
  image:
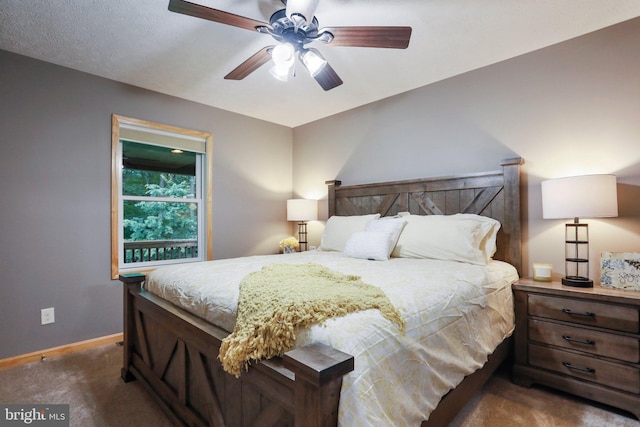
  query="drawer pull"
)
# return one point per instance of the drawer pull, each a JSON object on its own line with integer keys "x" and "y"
{"x": 579, "y": 368}
{"x": 576, "y": 313}
{"x": 568, "y": 338}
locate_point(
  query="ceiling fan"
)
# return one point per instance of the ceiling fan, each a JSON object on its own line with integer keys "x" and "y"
{"x": 293, "y": 28}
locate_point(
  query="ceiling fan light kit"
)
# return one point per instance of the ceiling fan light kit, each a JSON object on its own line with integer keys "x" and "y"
{"x": 292, "y": 28}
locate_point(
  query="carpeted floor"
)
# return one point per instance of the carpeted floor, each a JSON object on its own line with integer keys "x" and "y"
{"x": 504, "y": 404}
{"x": 90, "y": 383}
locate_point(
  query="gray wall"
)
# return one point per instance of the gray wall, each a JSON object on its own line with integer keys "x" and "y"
{"x": 55, "y": 165}
{"x": 569, "y": 109}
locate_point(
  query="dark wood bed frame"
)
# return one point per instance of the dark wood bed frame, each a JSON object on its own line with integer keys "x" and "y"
{"x": 173, "y": 353}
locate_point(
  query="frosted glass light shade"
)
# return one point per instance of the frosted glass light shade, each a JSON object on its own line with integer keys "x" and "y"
{"x": 313, "y": 62}
{"x": 280, "y": 72}
{"x": 302, "y": 210}
{"x": 305, "y": 8}
{"x": 283, "y": 54}
{"x": 587, "y": 196}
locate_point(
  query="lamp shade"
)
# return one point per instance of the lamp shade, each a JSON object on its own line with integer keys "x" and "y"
{"x": 587, "y": 196}
{"x": 302, "y": 210}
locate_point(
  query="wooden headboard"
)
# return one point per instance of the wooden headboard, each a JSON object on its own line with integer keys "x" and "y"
{"x": 494, "y": 194}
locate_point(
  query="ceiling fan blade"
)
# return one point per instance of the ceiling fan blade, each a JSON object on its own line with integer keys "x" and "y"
{"x": 384, "y": 37}
{"x": 250, "y": 65}
{"x": 215, "y": 15}
{"x": 328, "y": 78}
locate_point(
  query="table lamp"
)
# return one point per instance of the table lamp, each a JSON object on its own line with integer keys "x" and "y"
{"x": 302, "y": 210}
{"x": 587, "y": 196}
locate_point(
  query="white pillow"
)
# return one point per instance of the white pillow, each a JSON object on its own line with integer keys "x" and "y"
{"x": 393, "y": 226}
{"x": 371, "y": 245}
{"x": 461, "y": 237}
{"x": 340, "y": 228}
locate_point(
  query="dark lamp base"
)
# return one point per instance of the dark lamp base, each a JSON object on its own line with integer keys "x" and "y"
{"x": 577, "y": 282}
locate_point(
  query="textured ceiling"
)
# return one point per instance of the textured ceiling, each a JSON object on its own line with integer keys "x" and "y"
{"x": 141, "y": 43}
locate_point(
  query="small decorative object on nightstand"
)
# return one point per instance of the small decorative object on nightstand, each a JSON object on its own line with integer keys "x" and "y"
{"x": 542, "y": 272}
{"x": 289, "y": 245}
{"x": 584, "y": 341}
{"x": 588, "y": 196}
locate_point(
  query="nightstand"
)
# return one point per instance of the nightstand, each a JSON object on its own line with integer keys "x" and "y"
{"x": 584, "y": 341}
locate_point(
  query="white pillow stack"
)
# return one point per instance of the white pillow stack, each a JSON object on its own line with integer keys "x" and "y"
{"x": 466, "y": 238}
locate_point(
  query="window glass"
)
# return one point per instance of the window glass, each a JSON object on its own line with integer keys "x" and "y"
{"x": 153, "y": 170}
{"x": 156, "y": 229}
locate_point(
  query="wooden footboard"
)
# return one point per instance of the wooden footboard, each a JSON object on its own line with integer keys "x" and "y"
{"x": 174, "y": 355}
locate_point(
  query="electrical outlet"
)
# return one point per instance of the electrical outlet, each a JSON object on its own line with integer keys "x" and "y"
{"x": 47, "y": 316}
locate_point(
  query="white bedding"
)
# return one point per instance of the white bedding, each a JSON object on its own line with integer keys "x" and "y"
{"x": 455, "y": 313}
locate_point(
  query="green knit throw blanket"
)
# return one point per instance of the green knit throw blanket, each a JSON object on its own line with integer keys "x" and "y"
{"x": 280, "y": 299}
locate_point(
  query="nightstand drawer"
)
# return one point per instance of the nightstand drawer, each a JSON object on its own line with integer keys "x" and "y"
{"x": 610, "y": 374}
{"x": 608, "y": 316}
{"x": 576, "y": 338}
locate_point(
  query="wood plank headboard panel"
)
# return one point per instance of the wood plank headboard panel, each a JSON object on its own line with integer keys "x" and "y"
{"x": 494, "y": 194}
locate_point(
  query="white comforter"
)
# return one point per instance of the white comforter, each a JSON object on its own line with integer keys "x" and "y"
{"x": 455, "y": 313}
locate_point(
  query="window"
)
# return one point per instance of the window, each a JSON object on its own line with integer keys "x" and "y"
{"x": 161, "y": 195}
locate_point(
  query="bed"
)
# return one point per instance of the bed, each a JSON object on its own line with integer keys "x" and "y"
{"x": 173, "y": 351}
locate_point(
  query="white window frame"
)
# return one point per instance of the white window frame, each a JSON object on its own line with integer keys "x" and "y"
{"x": 169, "y": 136}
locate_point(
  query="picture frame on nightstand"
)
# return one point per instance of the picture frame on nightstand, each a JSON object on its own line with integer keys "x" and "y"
{"x": 620, "y": 270}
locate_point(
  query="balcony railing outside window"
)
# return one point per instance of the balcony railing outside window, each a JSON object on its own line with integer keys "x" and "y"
{"x": 157, "y": 250}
